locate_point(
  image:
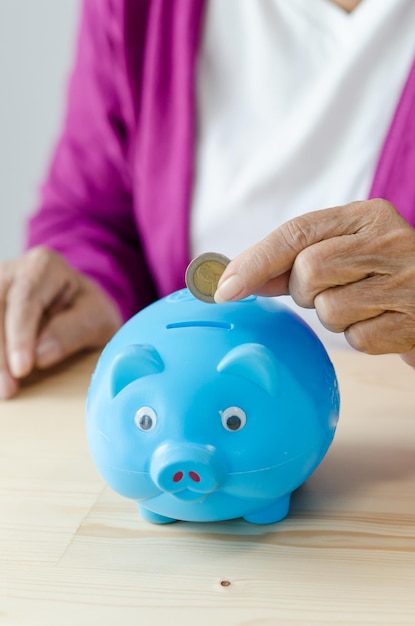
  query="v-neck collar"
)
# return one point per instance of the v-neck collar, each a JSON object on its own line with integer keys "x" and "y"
{"x": 343, "y": 11}
{"x": 327, "y": 15}
{"x": 337, "y": 23}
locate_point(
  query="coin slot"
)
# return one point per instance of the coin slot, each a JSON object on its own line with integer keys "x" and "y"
{"x": 201, "y": 324}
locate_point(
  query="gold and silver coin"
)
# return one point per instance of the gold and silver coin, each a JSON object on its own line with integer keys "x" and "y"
{"x": 203, "y": 274}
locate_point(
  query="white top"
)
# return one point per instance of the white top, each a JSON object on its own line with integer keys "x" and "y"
{"x": 295, "y": 98}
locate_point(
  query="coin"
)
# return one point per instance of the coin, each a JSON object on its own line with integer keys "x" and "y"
{"x": 203, "y": 274}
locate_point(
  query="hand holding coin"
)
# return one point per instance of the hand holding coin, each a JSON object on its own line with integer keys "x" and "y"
{"x": 203, "y": 274}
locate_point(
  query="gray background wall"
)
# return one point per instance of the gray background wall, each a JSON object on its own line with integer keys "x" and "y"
{"x": 36, "y": 47}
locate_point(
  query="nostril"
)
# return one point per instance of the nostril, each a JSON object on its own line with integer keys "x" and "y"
{"x": 177, "y": 477}
{"x": 194, "y": 476}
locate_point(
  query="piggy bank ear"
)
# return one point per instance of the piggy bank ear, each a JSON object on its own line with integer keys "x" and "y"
{"x": 132, "y": 363}
{"x": 253, "y": 362}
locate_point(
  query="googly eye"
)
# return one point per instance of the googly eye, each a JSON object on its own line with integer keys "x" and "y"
{"x": 233, "y": 418}
{"x": 146, "y": 418}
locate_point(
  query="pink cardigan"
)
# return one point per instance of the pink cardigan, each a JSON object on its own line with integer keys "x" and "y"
{"x": 117, "y": 196}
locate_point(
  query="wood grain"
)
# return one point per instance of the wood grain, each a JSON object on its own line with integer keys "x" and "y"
{"x": 72, "y": 552}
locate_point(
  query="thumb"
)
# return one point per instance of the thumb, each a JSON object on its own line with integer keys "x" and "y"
{"x": 72, "y": 330}
{"x": 264, "y": 267}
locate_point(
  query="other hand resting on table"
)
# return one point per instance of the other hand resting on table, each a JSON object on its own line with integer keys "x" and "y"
{"x": 48, "y": 311}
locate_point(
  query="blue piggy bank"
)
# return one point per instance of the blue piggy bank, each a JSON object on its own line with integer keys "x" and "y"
{"x": 206, "y": 412}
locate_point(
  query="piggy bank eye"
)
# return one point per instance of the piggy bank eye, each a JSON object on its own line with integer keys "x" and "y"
{"x": 145, "y": 418}
{"x": 233, "y": 418}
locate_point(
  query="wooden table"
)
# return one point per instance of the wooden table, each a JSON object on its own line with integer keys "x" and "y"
{"x": 73, "y": 553}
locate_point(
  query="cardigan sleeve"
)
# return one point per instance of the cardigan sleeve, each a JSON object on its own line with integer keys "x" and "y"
{"x": 86, "y": 207}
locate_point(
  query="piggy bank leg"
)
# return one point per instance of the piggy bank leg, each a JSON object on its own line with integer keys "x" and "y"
{"x": 154, "y": 518}
{"x": 272, "y": 513}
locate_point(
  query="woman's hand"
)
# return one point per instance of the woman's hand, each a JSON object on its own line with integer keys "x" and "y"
{"x": 48, "y": 311}
{"x": 355, "y": 264}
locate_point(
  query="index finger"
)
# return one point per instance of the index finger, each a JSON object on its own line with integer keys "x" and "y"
{"x": 37, "y": 284}
{"x": 271, "y": 259}
{"x": 8, "y": 384}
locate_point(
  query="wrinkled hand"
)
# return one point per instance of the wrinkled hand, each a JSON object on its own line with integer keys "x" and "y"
{"x": 355, "y": 264}
{"x": 48, "y": 311}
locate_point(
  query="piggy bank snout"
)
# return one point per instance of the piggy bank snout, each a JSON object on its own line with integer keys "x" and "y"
{"x": 184, "y": 468}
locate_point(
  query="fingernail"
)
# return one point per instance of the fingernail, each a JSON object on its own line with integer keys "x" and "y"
{"x": 229, "y": 289}
{"x": 8, "y": 386}
{"x": 20, "y": 363}
{"x": 48, "y": 352}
